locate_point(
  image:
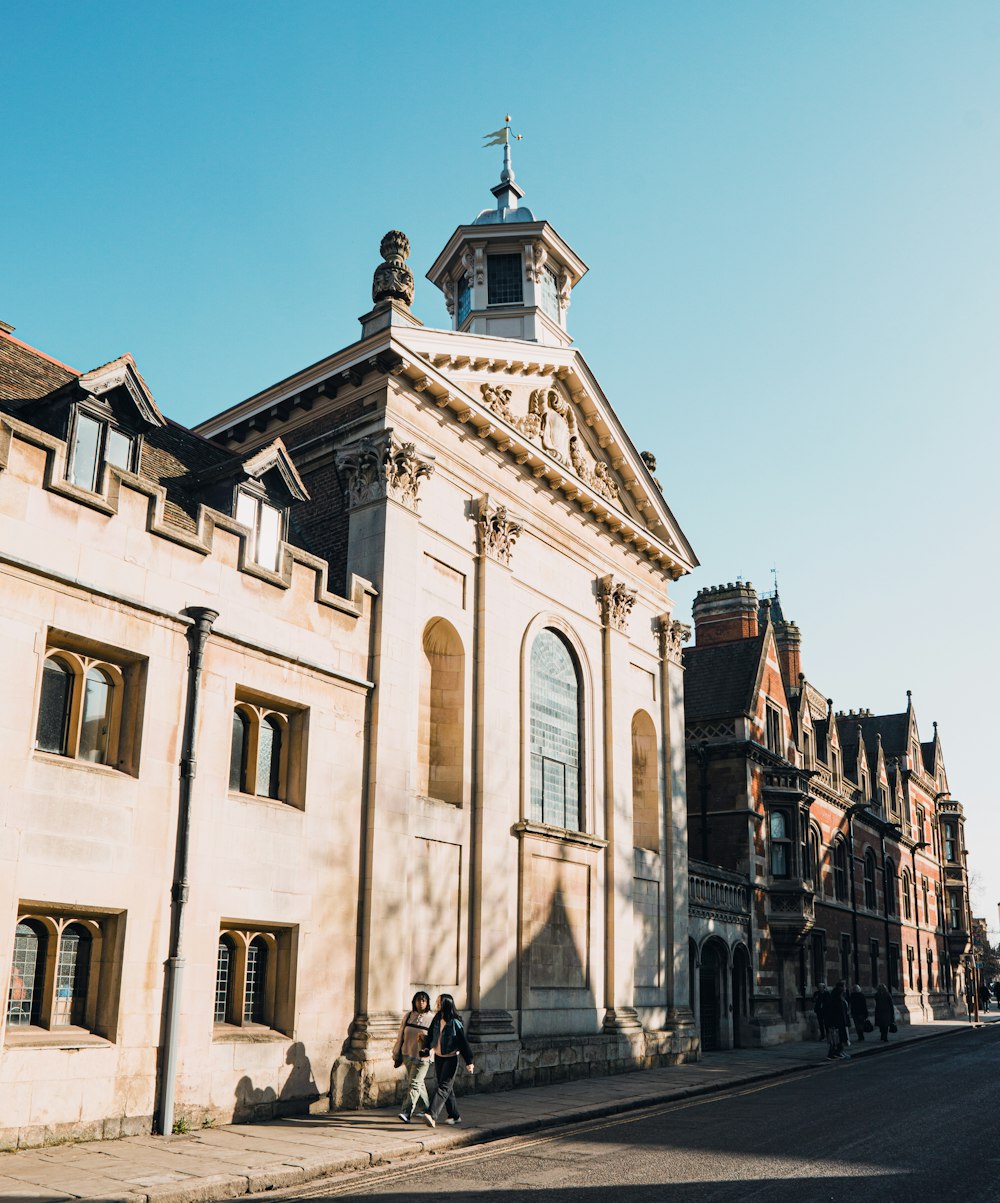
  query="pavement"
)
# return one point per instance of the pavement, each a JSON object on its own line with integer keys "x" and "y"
{"x": 222, "y": 1163}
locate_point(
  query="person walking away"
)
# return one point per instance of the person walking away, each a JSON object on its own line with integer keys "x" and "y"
{"x": 406, "y": 1052}
{"x": 832, "y": 1010}
{"x": 859, "y": 1010}
{"x": 883, "y": 1012}
{"x": 446, "y": 1039}
{"x": 819, "y": 1007}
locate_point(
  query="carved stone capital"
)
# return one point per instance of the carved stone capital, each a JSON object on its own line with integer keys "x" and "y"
{"x": 617, "y": 600}
{"x": 498, "y": 532}
{"x": 671, "y": 636}
{"x": 383, "y": 466}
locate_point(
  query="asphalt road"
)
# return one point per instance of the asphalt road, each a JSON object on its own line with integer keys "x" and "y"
{"x": 919, "y": 1123}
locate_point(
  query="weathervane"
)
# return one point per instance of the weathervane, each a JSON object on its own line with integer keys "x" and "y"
{"x": 502, "y": 137}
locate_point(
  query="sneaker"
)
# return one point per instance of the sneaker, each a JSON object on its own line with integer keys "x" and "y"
{"x": 429, "y": 1119}
{"x": 404, "y": 1116}
{"x": 845, "y": 1056}
{"x": 456, "y": 1120}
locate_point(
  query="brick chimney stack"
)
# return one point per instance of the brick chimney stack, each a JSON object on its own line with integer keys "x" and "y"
{"x": 725, "y": 613}
{"x": 789, "y": 643}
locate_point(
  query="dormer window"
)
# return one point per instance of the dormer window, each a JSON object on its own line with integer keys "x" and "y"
{"x": 266, "y": 523}
{"x": 504, "y": 282}
{"x": 97, "y": 442}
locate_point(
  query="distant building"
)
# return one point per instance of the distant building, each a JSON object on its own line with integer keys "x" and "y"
{"x": 831, "y": 838}
{"x": 371, "y": 684}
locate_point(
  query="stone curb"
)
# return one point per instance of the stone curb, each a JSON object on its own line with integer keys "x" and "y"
{"x": 217, "y": 1188}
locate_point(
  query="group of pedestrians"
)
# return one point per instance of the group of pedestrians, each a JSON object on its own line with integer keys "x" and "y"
{"x": 836, "y": 1010}
{"x": 422, "y": 1033}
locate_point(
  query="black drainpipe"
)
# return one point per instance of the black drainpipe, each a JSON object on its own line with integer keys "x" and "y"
{"x": 197, "y": 636}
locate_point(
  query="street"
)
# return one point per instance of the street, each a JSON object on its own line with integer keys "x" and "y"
{"x": 916, "y": 1123}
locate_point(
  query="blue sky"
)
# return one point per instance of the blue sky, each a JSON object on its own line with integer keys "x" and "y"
{"x": 789, "y": 211}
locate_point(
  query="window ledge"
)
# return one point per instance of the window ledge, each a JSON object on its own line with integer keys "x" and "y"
{"x": 86, "y": 766}
{"x": 69, "y": 1039}
{"x": 228, "y": 1033}
{"x": 560, "y": 835}
{"x": 258, "y": 799}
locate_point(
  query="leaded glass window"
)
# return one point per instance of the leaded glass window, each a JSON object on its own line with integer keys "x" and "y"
{"x": 255, "y": 997}
{"x": 53, "y": 707}
{"x": 550, "y": 294}
{"x": 555, "y": 733}
{"x": 869, "y": 869}
{"x": 27, "y": 969}
{"x": 223, "y": 971}
{"x": 503, "y": 279}
{"x": 780, "y": 844}
{"x": 72, "y": 976}
{"x": 840, "y": 870}
{"x": 238, "y": 755}
{"x": 269, "y": 758}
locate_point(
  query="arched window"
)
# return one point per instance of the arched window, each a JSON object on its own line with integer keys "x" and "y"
{"x": 869, "y": 868}
{"x": 645, "y": 790}
{"x": 840, "y": 879}
{"x": 927, "y": 908}
{"x": 27, "y": 970}
{"x": 72, "y": 977}
{"x": 255, "y": 996}
{"x": 269, "y": 758}
{"x": 54, "y": 706}
{"x": 815, "y": 856}
{"x": 95, "y": 730}
{"x": 223, "y": 979}
{"x": 556, "y": 795}
{"x": 441, "y": 725}
{"x": 780, "y": 844}
{"x": 907, "y": 894}
{"x": 238, "y": 757}
{"x": 891, "y": 888}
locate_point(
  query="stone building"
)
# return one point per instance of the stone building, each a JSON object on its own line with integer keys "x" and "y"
{"x": 840, "y": 827}
{"x": 370, "y": 684}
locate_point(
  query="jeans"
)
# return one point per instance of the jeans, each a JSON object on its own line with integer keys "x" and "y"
{"x": 444, "y": 1096}
{"x": 416, "y": 1071}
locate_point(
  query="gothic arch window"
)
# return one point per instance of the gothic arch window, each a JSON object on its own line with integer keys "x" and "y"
{"x": 252, "y": 979}
{"x": 814, "y": 847}
{"x": 24, "y": 998}
{"x": 869, "y": 872}
{"x": 891, "y": 888}
{"x": 840, "y": 878}
{"x": 645, "y": 787}
{"x": 907, "y": 881}
{"x": 80, "y": 707}
{"x": 266, "y": 753}
{"x": 72, "y": 977}
{"x": 441, "y": 724}
{"x": 555, "y": 735}
{"x": 54, "y": 706}
{"x": 780, "y": 844}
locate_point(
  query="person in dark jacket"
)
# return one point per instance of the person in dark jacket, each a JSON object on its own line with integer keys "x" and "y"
{"x": 446, "y": 1039}
{"x": 859, "y": 1011}
{"x": 837, "y": 1019}
{"x": 819, "y": 1007}
{"x": 883, "y": 1011}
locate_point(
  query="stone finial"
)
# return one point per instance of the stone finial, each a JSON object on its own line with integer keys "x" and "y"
{"x": 393, "y": 280}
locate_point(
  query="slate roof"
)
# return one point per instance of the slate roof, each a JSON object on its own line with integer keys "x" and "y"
{"x": 718, "y": 680}
{"x": 27, "y": 374}
{"x": 927, "y": 752}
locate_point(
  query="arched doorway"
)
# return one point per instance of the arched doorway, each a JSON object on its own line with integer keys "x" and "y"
{"x": 712, "y": 997}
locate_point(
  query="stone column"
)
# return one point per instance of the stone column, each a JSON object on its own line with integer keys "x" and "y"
{"x": 495, "y": 786}
{"x": 680, "y": 1018}
{"x": 382, "y": 476}
{"x": 620, "y": 1016}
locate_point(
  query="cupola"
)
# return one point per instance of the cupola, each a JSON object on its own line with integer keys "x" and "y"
{"x": 506, "y": 274}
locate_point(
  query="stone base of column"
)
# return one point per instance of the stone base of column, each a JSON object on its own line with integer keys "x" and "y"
{"x": 680, "y": 1018}
{"x": 621, "y": 1019}
{"x": 491, "y": 1026}
{"x": 373, "y": 1033}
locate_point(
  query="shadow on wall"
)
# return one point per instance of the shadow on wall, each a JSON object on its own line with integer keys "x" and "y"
{"x": 295, "y": 1097}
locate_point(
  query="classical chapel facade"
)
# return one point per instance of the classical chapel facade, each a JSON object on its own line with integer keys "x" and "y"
{"x": 369, "y": 684}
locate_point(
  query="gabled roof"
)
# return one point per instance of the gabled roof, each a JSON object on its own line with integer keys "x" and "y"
{"x": 719, "y": 680}
{"x": 122, "y": 373}
{"x": 26, "y": 373}
{"x": 273, "y": 457}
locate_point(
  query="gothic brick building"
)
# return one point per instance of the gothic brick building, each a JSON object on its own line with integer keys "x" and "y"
{"x": 840, "y": 825}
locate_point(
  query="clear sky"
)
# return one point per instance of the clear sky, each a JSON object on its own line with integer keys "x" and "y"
{"x": 790, "y": 213}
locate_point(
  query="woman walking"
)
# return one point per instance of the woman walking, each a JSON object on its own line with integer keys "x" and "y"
{"x": 859, "y": 1011}
{"x": 883, "y": 1011}
{"x": 407, "y": 1051}
{"x": 446, "y": 1039}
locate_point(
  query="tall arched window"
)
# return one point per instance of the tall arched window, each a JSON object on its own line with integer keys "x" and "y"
{"x": 441, "y": 734}
{"x": 54, "y": 706}
{"x": 24, "y": 998}
{"x": 72, "y": 977}
{"x": 556, "y": 795}
{"x": 269, "y": 757}
{"x": 255, "y": 998}
{"x": 645, "y": 790}
{"x": 238, "y": 753}
{"x": 869, "y": 868}
{"x": 262, "y": 752}
{"x": 907, "y": 881}
{"x": 840, "y": 870}
{"x": 223, "y": 978}
{"x": 96, "y": 727}
{"x": 891, "y": 888}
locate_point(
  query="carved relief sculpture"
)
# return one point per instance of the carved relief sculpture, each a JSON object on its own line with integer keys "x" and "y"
{"x": 383, "y": 466}
{"x": 617, "y": 600}
{"x": 393, "y": 279}
{"x": 498, "y": 532}
{"x": 534, "y": 261}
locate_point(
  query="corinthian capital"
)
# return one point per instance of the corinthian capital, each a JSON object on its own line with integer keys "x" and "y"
{"x": 498, "y": 532}
{"x": 671, "y": 636}
{"x": 617, "y": 600}
{"x": 380, "y": 466}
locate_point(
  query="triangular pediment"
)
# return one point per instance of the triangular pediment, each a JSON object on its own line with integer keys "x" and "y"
{"x": 122, "y": 374}
{"x": 552, "y": 415}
